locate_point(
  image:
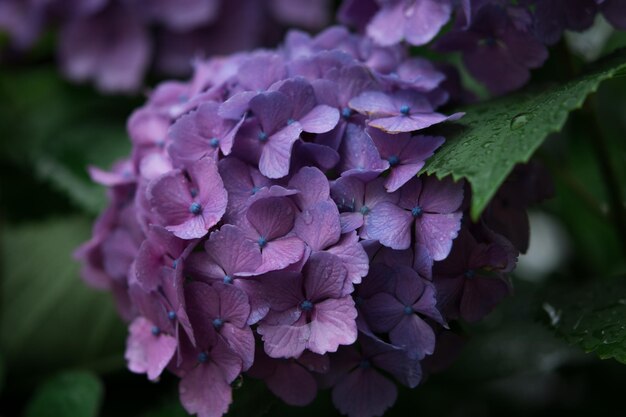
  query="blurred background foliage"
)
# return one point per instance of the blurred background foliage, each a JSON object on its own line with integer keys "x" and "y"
{"x": 61, "y": 343}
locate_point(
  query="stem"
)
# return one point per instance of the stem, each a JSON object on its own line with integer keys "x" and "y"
{"x": 607, "y": 170}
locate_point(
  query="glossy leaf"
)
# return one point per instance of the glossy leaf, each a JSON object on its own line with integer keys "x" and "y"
{"x": 496, "y": 135}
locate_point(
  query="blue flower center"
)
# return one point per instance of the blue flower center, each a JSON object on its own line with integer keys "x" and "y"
{"x": 255, "y": 190}
{"x": 306, "y": 305}
{"x": 417, "y": 211}
{"x": 405, "y": 109}
{"x": 393, "y": 160}
{"x": 174, "y": 263}
{"x": 263, "y": 137}
{"x": 365, "y": 210}
{"x": 194, "y": 192}
{"x": 228, "y": 279}
{"x": 214, "y": 142}
{"x": 408, "y": 310}
{"x": 290, "y": 121}
{"x": 195, "y": 208}
{"x": 155, "y": 330}
{"x": 365, "y": 364}
{"x": 262, "y": 242}
{"x": 346, "y": 112}
{"x": 203, "y": 357}
{"x": 218, "y": 323}
{"x": 470, "y": 273}
{"x": 171, "y": 315}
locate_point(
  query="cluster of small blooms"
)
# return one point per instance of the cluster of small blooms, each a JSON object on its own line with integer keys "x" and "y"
{"x": 500, "y": 40}
{"x": 113, "y": 42}
{"x": 271, "y": 221}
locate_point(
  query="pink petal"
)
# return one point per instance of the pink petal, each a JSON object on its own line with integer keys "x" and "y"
{"x": 146, "y": 352}
{"x": 285, "y": 341}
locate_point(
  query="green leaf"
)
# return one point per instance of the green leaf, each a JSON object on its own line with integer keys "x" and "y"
{"x": 49, "y": 318}
{"x": 70, "y": 394}
{"x": 58, "y": 129}
{"x": 593, "y": 318}
{"x": 498, "y": 134}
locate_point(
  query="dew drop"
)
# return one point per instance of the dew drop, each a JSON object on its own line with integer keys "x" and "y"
{"x": 520, "y": 120}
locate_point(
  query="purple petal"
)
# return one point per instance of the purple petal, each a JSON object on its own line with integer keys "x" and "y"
{"x": 332, "y": 324}
{"x": 353, "y": 257}
{"x": 441, "y": 196}
{"x": 293, "y": 384}
{"x": 272, "y": 217}
{"x": 233, "y": 252}
{"x": 480, "y": 296}
{"x": 424, "y": 19}
{"x": 205, "y": 392}
{"x": 313, "y": 186}
{"x": 325, "y": 276}
{"x": 414, "y": 335}
{"x": 410, "y": 123}
{"x": 276, "y": 154}
{"x": 364, "y": 393}
{"x": 241, "y": 342}
{"x": 387, "y": 26}
{"x": 319, "y": 225}
{"x": 147, "y": 352}
{"x": 285, "y": 341}
{"x": 321, "y": 119}
{"x": 390, "y": 225}
{"x": 383, "y": 312}
{"x": 280, "y": 253}
{"x": 374, "y": 103}
{"x": 436, "y": 232}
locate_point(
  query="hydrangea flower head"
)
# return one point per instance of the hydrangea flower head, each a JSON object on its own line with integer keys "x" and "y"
{"x": 272, "y": 221}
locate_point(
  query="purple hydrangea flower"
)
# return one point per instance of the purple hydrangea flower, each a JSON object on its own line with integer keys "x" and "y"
{"x": 427, "y": 207}
{"x": 403, "y": 111}
{"x": 267, "y": 215}
{"x": 401, "y": 313}
{"x": 360, "y": 390}
{"x": 189, "y": 208}
{"x": 307, "y": 310}
{"x": 493, "y": 37}
{"x": 470, "y": 282}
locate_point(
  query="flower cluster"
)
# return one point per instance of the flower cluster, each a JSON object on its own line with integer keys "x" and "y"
{"x": 271, "y": 221}
{"x": 113, "y": 42}
{"x": 500, "y": 40}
